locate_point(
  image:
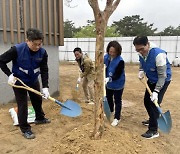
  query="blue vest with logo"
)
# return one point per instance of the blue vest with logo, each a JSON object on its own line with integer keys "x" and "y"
{"x": 110, "y": 70}
{"x": 27, "y": 65}
{"x": 149, "y": 66}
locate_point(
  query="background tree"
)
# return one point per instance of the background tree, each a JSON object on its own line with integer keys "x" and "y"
{"x": 90, "y": 31}
{"x": 133, "y": 26}
{"x": 101, "y": 19}
{"x": 86, "y": 31}
{"x": 170, "y": 31}
{"x": 70, "y": 29}
{"x": 111, "y": 32}
{"x": 177, "y": 33}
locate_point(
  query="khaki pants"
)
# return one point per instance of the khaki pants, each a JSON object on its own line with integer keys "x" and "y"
{"x": 88, "y": 87}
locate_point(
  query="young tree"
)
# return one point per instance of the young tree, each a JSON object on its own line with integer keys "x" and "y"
{"x": 101, "y": 19}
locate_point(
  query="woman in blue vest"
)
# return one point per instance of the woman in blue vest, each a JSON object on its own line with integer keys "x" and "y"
{"x": 154, "y": 63}
{"x": 115, "y": 79}
{"x": 29, "y": 60}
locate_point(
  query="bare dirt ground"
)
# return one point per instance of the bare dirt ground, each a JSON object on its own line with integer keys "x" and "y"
{"x": 65, "y": 135}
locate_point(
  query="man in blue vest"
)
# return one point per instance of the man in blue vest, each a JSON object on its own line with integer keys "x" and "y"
{"x": 29, "y": 60}
{"x": 153, "y": 63}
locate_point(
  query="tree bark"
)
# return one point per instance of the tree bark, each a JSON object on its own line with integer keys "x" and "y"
{"x": 99, "y": 58}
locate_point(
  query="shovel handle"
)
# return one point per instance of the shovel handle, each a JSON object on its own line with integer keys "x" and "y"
{"x": 29, "y": 88}
{"x": 144, "y": 81}
{"x": 77, "y": 86}
{"x": 79, "y": 75}
{"x": 25, "y": 87}
{"x": 146, "y": 85}
{"x": 104, "y": 76}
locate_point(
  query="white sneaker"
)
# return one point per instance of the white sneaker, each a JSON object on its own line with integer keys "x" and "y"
{"x": 115, "y": 122}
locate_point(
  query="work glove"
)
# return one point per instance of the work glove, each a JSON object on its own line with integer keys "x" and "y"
{"x": 141, "y": 75}
{"x": 45, "y": 92}
{"x": 154, "y": 96}
{"x": 12, "y": 79}
{"x": 108, "y": 79}
{"x": 78, "y": 80}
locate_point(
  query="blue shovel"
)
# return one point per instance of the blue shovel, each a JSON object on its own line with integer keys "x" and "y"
{"x": 164, "y": 120}
{"x": 69, "y": 107}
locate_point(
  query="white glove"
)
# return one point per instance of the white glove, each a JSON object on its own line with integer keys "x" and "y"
{"x": 107, "y": 80}
{"x": 11, "y": 79}
{"x": 141, "y": 75}
{"x": 45, "y": 92}
{"x": 154, "y": 96}
{"x": 78, "y": 80}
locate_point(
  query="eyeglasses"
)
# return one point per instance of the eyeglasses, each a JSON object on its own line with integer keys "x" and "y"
{"x": 140, "y": 49}
{"x": 36, "y": 43}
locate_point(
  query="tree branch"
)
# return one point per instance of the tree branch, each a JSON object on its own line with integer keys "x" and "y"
{"x": 110, "y": 7}
{"x": 95, "y": 7}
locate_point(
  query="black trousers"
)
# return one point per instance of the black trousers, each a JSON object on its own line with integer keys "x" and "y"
{"x": 22, "y": 103}
{"x": 114, "y": 98}
{"x": 151, "y": 108}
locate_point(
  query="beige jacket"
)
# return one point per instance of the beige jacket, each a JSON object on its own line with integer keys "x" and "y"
{"x": 87, "y": 67}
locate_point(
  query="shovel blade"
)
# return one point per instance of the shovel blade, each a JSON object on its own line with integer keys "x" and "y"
{"x": 106, "y": 108}
{"x": 70, "y": 109}
{"x": 165, "y": 122}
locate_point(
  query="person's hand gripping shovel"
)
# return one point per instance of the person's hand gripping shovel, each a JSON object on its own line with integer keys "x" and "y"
{"x": 69, "y": 107}
{"x": 164, "y": 120}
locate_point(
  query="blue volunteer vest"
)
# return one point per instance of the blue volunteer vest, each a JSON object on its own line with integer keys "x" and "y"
{"x": 149, "y": 66}
{"x": 27, "y": 65}
{"x": 110, "y": 70}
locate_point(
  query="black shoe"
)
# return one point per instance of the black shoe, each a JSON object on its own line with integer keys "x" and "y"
{"x": 29, "y": 134}
{"x": 44, "y": 121}
{"x": 145, "y": 123}
{"x": 150, "y": 134}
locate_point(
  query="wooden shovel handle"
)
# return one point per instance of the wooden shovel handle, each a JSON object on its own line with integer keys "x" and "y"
{"x": 104, "y": 76}
{"x": 25, "y": 87}
{"x": 144, "y": 81}
{"x": 29, "y": 88}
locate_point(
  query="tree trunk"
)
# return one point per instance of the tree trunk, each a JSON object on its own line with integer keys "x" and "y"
{"x": 101, "y": 19}
{"x": 99, "y": 64}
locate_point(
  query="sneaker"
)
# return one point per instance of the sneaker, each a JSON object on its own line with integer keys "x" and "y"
{"x": 115, "y": 122}
{"x": 145, "y": 123}
{"x": 150, "y": 134}
{"x": 44, "y": 121}
{"x": 29, "y": 134}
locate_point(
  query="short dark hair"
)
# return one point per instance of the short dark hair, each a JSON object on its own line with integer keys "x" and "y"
{"x": 34, "y": 34}
{"x": 77, "y": 49}
{"x": 115, "y": 45}
{"x": 140, "y": 40}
